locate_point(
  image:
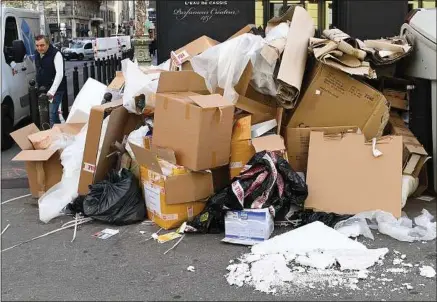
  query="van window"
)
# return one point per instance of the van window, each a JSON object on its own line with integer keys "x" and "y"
{"x": 11, "y": 34}
{"x": 88, "y": 46}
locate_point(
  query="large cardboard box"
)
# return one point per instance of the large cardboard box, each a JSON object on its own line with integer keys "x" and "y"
{"x": 414, "y": 155}
{"x": 344, "y": 176}
{"x": 120, "y": 123}
{"x": 171, "y": 200}
{"x": 196, "y": 127}
{"x": 43, "y": 167}
{"x": 334, "y": 98}
{"x": 297, "y": 142}
{"x": 180, "y": 58}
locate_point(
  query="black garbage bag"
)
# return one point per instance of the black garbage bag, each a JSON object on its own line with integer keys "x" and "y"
{"x": 307, "y": 216}
{"x": 116, "y": 200}
{"x": 268, "y": 182}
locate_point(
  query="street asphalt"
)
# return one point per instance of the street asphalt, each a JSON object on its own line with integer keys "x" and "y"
{"x": 127, "y": 267}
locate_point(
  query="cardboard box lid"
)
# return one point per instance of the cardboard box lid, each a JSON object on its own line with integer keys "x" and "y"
{"x": 21, "y": 136}
{"x": 241, "y": 129}
{"x": 146, "y": 158}
{"x": 179, "y": 81}
{"x": 34, "y": 155}
{"x": 334, "y": 98}
{"x": 345, "y": 178}
{"x": 211, "y": 101}
{"x": 196, "y": 47}
{"x": 268, "y": 143}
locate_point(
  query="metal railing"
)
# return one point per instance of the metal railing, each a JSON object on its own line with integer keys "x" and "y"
{"x": 102, "y": 70}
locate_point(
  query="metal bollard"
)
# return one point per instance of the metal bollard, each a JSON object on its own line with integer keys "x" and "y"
{"x": 114, "y": 66}
{"x": 99, "y": 70}
{"x": 119, "y": 64}
{"x": 64, "y": 106}
{"x": 33, "y": 102}
{"x": 85, "y": 72}
{"x": 75, "y": 82}
{"x": 104, "y": 71}
{"x": 43, "y": 108}
{"x": 108, "y": 70}
{"x": 107, "y": 98}
{"x": 93, "y": 71}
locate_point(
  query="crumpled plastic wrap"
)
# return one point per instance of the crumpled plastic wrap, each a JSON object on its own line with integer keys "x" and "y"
{"x": 137, "y": 83}
{"x": 401, "y": 229}
{"x": 136, "y": 137}
{"x": 222, "y": 65}
{"x": 409, "y": 186}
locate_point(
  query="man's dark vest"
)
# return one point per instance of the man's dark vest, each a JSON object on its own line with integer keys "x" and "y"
{"x": 45, "y": 69}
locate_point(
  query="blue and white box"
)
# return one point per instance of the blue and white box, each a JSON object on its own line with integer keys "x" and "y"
{"x": 248, "y": 227}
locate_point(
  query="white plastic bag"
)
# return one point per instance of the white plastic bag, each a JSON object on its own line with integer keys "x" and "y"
{"x": 409, "y": 186}
{"x": 401, "y": 229}
{"x": 222, "y": 65}
{"x": 136, "y": 137}
{"x": 136, "y": 83}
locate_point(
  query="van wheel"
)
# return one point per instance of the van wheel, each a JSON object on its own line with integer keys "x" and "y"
{"x": 81, "y": 57}
{"x": 7, "y": 128}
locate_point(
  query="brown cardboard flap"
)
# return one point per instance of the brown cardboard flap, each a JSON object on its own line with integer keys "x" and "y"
{"x": 118, "y": 81}
{"x": 178, "y": 81}
{"x": 34, "y": 155}
{"x": 70, "y": 128}
{"x": 211, "y": 101}
{"x": 255, "y": 107}
{"x": 268, "y": 143}
{"x": 189, "y": 187}
{"x": 20, "y": 136}
{"x": 165, "y": 154}
{"x": 197, "y": 47}
{"x": 345, "y": 178}
{"x": 146, "y": 158}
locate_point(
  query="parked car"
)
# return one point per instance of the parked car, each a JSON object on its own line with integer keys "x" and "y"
{"x": 80, "y": 51}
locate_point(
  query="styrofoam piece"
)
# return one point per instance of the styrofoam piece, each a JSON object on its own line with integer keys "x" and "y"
{"x": 261, "y": 128}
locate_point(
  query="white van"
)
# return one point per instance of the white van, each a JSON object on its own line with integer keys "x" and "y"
{"x": 104, "y": 47}
{"x": 80, "y": 50}
{"x": 18, "y": 30}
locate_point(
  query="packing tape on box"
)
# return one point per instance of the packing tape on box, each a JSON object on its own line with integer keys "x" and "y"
{"x": 165, "y": 105}
{"x": 40, "y": 178}
{"x": 220, "y": 115}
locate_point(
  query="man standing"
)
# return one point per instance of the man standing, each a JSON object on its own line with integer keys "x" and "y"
{"x": 50, "y": 74}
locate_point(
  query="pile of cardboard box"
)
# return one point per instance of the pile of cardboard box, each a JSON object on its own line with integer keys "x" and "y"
{"x": 334, "y": 137}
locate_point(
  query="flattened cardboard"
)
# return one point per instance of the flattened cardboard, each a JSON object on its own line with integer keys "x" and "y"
{"x": 397, "y": 99}
{"x": 297, "y": 141}
{"x": 200, "y": 137}
{"x": 268, "y": 143}
{"x": 120, "y": 123}
{"x": 334, "y": 98}
{"x": 345, "y": 178}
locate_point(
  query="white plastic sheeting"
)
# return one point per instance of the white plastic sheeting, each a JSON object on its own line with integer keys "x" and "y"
{"x": 401, "y": 229}
{"x": 409, "y": 186}
{"x": 136, "y": 83}
{"x": 136, "y": 137}
{"x": 60, "y": 195}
